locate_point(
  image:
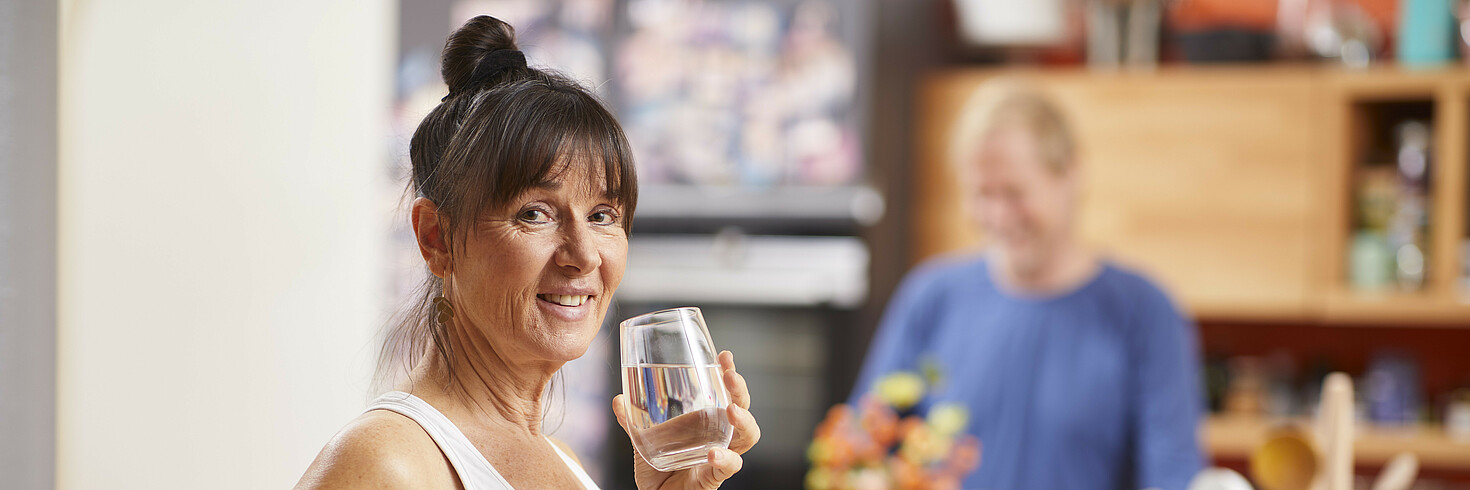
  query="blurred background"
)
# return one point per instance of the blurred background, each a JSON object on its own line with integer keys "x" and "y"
{"x": 202, "y": 226}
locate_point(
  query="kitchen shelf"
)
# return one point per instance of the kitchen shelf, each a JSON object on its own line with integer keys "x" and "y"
{"x": 1347, "y": 307}
{"x": 1394, "y": 83}
{"x": 1235, "y": 437}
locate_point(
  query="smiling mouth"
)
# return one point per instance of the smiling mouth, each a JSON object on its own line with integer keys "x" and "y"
{"x": 564, "y": 299}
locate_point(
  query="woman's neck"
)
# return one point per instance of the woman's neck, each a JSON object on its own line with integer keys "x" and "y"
{"x": 483, "y": 383}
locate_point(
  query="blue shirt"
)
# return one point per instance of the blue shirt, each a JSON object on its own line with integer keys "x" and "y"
{"x": 1094, "y": 388}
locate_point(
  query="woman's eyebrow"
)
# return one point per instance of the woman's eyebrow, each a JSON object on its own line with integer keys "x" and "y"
{"x": 594, "y": 187}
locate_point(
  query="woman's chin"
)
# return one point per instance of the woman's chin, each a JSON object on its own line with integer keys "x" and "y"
{"x": 566, "y": 342}
{"x": 566, "y": 350}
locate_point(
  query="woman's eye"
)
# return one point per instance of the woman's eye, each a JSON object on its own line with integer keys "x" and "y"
{"x": 534, "y": 216}
{"x": 603, "y": 217}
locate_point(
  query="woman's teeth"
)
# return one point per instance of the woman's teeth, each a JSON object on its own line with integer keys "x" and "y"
{"x": 564, "y": 300}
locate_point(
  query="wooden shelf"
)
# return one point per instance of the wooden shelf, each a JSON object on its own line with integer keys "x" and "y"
{"x": 1234, "y": 438}
{"x": 1346, "y": 307}
{"x": 1394, "y": 83}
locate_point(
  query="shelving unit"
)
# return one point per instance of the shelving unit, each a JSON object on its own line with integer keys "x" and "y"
{"x": 1348, "y": 99}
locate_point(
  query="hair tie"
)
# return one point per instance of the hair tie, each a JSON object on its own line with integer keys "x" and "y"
{"x": 489, "y": 66}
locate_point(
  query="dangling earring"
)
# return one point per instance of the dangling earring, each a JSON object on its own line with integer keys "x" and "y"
{"x": 443, "y": 314}
{"x": 445, "y": 311}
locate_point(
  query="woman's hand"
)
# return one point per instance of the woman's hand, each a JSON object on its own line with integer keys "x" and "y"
{"x": 720, "y": 463}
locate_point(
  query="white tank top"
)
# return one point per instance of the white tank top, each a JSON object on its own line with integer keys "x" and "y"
{"x": 474, "y": 472}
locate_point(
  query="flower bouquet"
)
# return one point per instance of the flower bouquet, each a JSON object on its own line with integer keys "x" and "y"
{"x": 883, "y": 444}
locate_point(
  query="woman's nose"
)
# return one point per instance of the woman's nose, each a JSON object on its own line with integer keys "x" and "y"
{"x": 578, "y": 252}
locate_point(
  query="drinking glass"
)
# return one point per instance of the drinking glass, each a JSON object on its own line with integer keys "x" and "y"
{"x": 675, "y": 395}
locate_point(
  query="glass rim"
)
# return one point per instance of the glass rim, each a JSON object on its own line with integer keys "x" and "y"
{"x": 629, "y": 323}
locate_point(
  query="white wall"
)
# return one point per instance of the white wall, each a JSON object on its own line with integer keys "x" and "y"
{"x": 222, "y": 226}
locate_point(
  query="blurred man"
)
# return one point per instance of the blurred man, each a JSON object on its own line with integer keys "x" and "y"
{"x": 1077, "y": 373}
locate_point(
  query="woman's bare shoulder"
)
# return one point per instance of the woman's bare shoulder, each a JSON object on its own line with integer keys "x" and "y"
{"x": 380, "y": 449}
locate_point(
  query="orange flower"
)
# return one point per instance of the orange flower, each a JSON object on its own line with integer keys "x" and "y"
{"x": 879, "y": 421}
{"x": 906, "y": 475}
{"x": 965, "y": 457}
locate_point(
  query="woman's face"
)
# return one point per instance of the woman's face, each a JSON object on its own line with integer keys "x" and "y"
{"x": 535, "y": 277}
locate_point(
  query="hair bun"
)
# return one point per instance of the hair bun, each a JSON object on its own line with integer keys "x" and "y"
{"x": 470, "y": 44}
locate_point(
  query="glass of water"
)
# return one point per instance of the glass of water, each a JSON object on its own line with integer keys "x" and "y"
{"x": 676, "y": 396}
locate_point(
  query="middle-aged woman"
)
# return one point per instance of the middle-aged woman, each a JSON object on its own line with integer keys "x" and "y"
{"x": 526, "y": 192}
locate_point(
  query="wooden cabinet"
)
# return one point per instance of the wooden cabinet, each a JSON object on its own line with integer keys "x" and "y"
{"x": 1353, "y": 98}
{"x": 1228, "y": 185}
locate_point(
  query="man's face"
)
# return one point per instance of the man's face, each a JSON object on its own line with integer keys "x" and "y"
{"x": 1022, "y": 204}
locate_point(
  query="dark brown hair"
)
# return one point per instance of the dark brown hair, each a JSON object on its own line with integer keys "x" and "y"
{"x": 499, "y": 132}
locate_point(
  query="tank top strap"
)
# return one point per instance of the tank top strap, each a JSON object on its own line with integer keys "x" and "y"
{"x": 473, "y": 470}
{"x": 576, "y": 468}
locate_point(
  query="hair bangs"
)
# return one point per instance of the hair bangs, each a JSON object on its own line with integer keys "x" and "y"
{"x": 529, "y": 134}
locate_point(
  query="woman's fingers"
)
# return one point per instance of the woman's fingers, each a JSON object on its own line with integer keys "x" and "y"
{"x": 747, "y": 432}
{"x": 739, "y": 392}
{"x": 723, "y": 463}
{"x": 620, "y": 411}
{"x": 734, "y": 382}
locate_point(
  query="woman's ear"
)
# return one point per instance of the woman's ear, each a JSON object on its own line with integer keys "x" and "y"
{"x": 429, "y": 229}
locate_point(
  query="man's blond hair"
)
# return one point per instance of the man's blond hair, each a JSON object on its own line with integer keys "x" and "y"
{"x": 1013, "y": 102}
